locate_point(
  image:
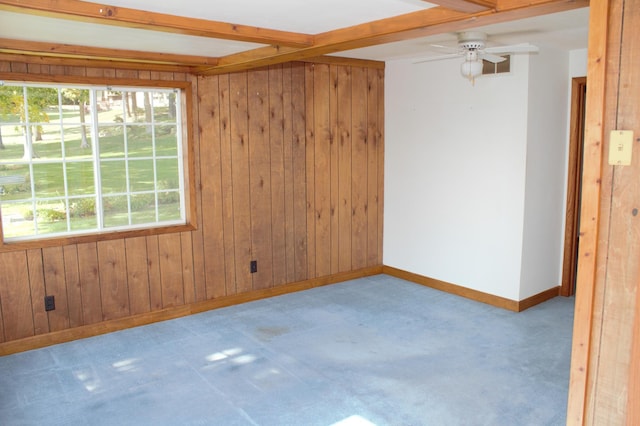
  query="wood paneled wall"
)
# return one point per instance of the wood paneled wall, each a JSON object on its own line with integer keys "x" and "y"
{"x": 289, "y": 163}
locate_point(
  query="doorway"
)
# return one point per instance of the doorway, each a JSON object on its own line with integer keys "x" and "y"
{"x": 574, "y": 183}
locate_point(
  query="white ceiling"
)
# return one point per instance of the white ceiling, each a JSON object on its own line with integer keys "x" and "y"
{"x": 566, "y": 30}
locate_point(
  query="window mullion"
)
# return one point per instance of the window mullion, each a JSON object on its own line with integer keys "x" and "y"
{"x": 95, "y": 148}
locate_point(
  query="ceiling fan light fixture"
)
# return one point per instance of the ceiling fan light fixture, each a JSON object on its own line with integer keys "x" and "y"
{"x": 471, "y": 69}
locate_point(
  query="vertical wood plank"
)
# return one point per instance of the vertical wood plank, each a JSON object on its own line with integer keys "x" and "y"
{"x": 322, "y": 172}
{"x": 137, "y": 275}
{"x": 260, "y": 177}
{"x": 299, "y": 154}
{"x": 310, "y": 168}
{"x": 344, "y": 168}
{"x": 372, "y": 166}
{"x": 113, "y": 279}
{"x": 155, "y": 278}
{"x": 55, "y": 285}
{"x": 334, "y": 167}
{"x": 226, "y": 178}
{"x": 380, "y": 164}
{"x": 188, "y": 276}
{"x": 359, "y": 151}
{"x": 89, "y": 283}
{"x": 592, "y": 248}
{"x": 197, "y": 236}
{"x": 211, "y": 190}
{"x": 241, "y": 202}
{"x": 72, "y": 278}
{"x": 623, "y": 250}
{"x": 289, "y": 197}
{"x": 36, "y": 284}
{"x": 170, "y": 253}
{"x": 277, "y": 169}
{"x": 14, "y": 296}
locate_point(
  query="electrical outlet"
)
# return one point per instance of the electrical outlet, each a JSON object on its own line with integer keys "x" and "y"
{"x": 49, "y": 303}
{"x": 254, "y": 266}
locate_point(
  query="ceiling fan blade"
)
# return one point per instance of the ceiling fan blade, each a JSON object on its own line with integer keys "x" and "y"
{"x": 492, "y": 58}
{"x": 516, "y": 48}
{"x": 450, "y": 49}
{"x": 436, "y": 58}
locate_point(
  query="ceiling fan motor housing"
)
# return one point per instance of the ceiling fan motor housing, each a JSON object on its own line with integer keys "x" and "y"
{"x": 472, "y": 40}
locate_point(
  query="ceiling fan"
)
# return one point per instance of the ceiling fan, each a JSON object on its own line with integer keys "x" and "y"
{"x": 472, "y": 47}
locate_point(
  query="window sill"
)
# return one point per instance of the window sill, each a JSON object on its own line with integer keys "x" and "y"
{"x": 93, "y": 238}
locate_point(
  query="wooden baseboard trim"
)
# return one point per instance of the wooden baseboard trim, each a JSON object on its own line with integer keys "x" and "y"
{"x": 468, "y": 293}
{"x": 536, "y": 299}
{"x": 48, "y": 339}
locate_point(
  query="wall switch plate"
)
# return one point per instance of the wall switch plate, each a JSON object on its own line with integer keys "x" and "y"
{"x": 620, "y": 147}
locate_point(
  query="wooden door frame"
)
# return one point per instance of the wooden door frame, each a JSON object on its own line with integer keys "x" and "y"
{"x": 574, "y": 176}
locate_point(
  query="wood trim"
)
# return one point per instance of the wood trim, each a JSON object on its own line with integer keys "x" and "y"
{"x": 466, "y": 6}
{"x": 478, "y": 296}
{"x": 404, "y": 27}
{"x": 633, "y": 401}
{"x": 536, "y": 299}
{"x": 349, "y": 62}
{"x": 92, "y": 63}
{"x": 574, "y": 176}
{"x": 39, "y": 341}
{"x": 99, "y": 53}
{"x": 133, "y": 18}
{"x": 590, "y": 211}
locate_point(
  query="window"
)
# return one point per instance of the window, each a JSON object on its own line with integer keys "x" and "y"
{"x": 87, "y": 159}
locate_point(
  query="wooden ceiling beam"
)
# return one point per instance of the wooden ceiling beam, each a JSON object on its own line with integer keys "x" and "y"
{"x": 91, "y": 63}
{"x": 133, "y": 18}
{"x": 84, "y": 52}
{"x": 404, "y": 27}
{"x": 466, "y": 6}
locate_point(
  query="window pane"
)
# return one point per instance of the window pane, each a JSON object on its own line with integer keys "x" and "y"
{"x": 113, "y": 176}
{"x": 168, "y": 176}
{"x": 111, "y": 141}
{"x": 77, "y": 142}
{"x": 83, "y": 214}
{"x": 12, "y": 141}
{"x": 169, "y": 205}
{"x": 166, "y": 141}
{"x": 143, "y": 208}
{"x": 140, "y": 143}
{"x": 164, "y": 107}
{"x": 51, "y": 216}
{"x": 47, "y": 142}
{"x": 119, "y": 107}
{"x": 75, "y": 105}
{"x": 80, "y": 178}
{"x": 48, "y": 180}
{"x": 15, "y": 182}
{"x": 141, "y": 175}
{"x": 42, "y": 101}
{"x": 115, "y": 211}
{"x": 17, "y": 219}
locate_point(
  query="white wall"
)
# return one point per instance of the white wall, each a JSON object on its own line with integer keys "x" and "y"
{"x": 578, "y": 63}
{"x": 456, "y": 173}
{"x": 545, "y": 188}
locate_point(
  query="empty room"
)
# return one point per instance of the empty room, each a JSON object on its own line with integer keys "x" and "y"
{"x": 395, "y": 212}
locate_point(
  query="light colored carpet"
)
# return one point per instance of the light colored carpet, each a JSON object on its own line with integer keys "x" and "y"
{"x": 372, "y": 351}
